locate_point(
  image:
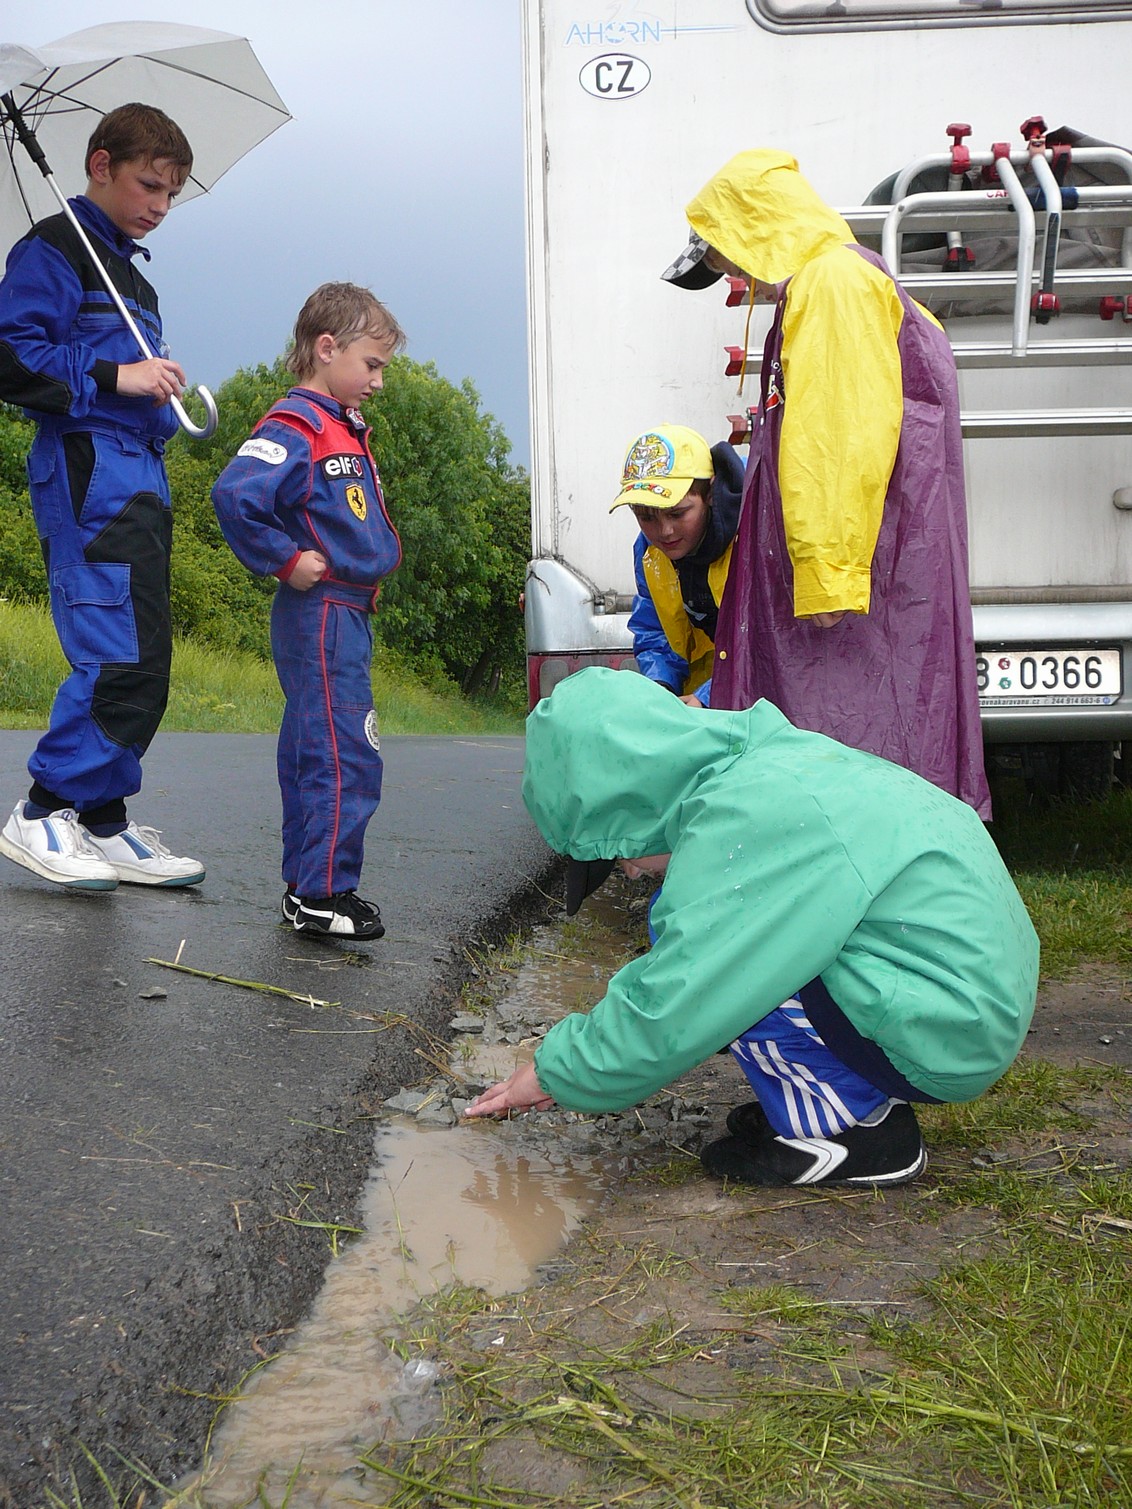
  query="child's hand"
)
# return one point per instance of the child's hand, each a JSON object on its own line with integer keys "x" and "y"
{"x": 310, "y": 568}
{"x": 522, "y": 1092}
{"x": 158, "y": 378}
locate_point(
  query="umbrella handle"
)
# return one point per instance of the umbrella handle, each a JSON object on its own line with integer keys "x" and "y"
{"x": 197, "y": 431}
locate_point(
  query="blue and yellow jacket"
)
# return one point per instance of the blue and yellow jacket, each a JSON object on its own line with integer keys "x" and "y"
{"x": 669, "y": 647}
{"x": 675, "y": 607}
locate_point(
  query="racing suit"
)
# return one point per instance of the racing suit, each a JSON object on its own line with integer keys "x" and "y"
{"x": 100, "y": 498}
{"x": 306, "y": 480}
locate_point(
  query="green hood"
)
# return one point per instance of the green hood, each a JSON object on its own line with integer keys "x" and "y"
{"x": 761, "y": 213}
{"x": 594, "y": 781}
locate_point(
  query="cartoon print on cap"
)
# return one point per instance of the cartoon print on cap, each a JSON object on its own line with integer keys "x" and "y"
{"x": 651, "y": 456}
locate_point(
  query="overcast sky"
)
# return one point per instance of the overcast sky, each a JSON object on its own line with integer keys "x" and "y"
{"x": 402, "y": 169}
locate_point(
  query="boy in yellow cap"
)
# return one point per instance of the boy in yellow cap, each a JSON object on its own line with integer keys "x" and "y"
{"x": 685, "y": 498}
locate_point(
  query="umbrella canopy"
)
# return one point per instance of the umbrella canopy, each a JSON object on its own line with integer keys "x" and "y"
{"x": 52, "y": 97}
{"x": 211, "y": 83}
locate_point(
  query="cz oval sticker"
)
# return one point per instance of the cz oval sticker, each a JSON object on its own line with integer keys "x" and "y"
{"x": 615, "y": 76}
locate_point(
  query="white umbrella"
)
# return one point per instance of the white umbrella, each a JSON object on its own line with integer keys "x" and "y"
{"x": 52, "y": 97}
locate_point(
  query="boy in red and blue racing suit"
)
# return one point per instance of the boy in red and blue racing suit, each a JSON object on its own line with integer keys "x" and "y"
{"x": 101, "y": 503}
{"x": 301, "y": 500}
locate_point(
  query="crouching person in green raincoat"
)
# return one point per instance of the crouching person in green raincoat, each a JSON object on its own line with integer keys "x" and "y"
{"x": 847, "y": 928}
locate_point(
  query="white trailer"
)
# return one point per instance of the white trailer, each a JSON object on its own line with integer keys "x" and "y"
{"x": 631, "y": 107}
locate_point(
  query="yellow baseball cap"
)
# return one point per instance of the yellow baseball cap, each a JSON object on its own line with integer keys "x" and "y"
{"x": 661, "y": 466}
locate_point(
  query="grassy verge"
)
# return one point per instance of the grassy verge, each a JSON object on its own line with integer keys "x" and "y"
{"x": 1072, "y": 864}
{"x": 640, "y": 1376}
{"x": 214, "y": 692}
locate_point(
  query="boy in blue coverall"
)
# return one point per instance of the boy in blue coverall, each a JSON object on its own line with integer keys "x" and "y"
{"x": 101, "y": 503}
{"x": 302, "y": 501}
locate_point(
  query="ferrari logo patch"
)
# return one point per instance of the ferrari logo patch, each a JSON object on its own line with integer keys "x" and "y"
{"x": 356, "y": 498}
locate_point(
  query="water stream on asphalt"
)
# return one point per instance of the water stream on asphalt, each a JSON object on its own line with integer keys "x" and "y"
{"x": 465, "y": 1204}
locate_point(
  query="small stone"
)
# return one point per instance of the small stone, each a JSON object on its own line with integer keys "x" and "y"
{"x": 436, "y": 1114}
{"x": 459, "y": 1106}
{"x": 155, "y": 993}
{"x": 1105, "y": 1040}
{"x": 467, "y": 1022}
{"x": 409, "y": 1101}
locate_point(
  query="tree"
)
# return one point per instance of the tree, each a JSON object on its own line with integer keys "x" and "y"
{"x": 21, "y": 560}
{"x": 463, "y": 514}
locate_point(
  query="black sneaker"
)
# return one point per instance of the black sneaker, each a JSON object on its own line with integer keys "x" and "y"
{"x": 343, "y": 916}
{"x": 887, "y": 1151}
{"x": 289, "y": 906}
{"x": 747, "y": 1121}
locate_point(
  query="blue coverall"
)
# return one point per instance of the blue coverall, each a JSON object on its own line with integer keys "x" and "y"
{"x": 100, "y": 499}
{"x": 306, "y": 481}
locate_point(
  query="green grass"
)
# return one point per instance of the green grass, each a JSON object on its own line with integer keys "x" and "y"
{"x": 217, "y": 692}
{"x": 1072, "y": 863}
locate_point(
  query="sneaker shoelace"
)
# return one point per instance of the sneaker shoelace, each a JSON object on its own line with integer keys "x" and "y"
{"x": 352, "y": 905}
{"x": 77, "y": 834}
{"x": 151, "y": 837}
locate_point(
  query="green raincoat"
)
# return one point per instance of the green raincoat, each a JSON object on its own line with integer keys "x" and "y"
{"x": 793, "y": 858}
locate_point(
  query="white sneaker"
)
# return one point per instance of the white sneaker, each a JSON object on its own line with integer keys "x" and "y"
{"x": 138, "y": 857}
{"x": 56, "y": 848}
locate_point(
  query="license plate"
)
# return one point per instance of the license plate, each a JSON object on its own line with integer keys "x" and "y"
{"x": 1059, "y": 678}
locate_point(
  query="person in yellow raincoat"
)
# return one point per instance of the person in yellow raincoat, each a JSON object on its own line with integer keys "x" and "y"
{"x": 847, "y": 602}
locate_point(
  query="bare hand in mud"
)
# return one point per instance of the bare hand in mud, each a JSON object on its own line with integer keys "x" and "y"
{"x": 522, "y": 1092}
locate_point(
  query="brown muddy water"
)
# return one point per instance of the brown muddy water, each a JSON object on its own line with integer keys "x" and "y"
{"x": 469, "y": 1204}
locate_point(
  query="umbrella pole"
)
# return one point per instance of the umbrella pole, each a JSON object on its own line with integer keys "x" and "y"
{"x": 35, "y": 152}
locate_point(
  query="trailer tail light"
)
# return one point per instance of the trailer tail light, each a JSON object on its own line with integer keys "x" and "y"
{"x": 544, "y": 672}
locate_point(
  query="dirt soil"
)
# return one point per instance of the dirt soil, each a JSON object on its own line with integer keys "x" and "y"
{"x": 672, "y": 1242}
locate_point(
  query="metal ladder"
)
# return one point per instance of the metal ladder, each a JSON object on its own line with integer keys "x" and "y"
{"x": 1033, "y": 286}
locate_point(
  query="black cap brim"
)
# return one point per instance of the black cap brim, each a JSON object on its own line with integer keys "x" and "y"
{"x": 582, "y": 877}
{"x": 691, "y": 270}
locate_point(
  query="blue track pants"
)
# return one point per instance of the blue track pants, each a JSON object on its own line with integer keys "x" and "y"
{"x": 805, "y": 1090}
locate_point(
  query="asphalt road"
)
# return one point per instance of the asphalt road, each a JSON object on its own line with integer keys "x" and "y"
{"x": 160, "y": 1151}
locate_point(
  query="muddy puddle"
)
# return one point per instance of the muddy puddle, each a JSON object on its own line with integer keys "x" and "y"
{"x": 466, "y": 1203}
